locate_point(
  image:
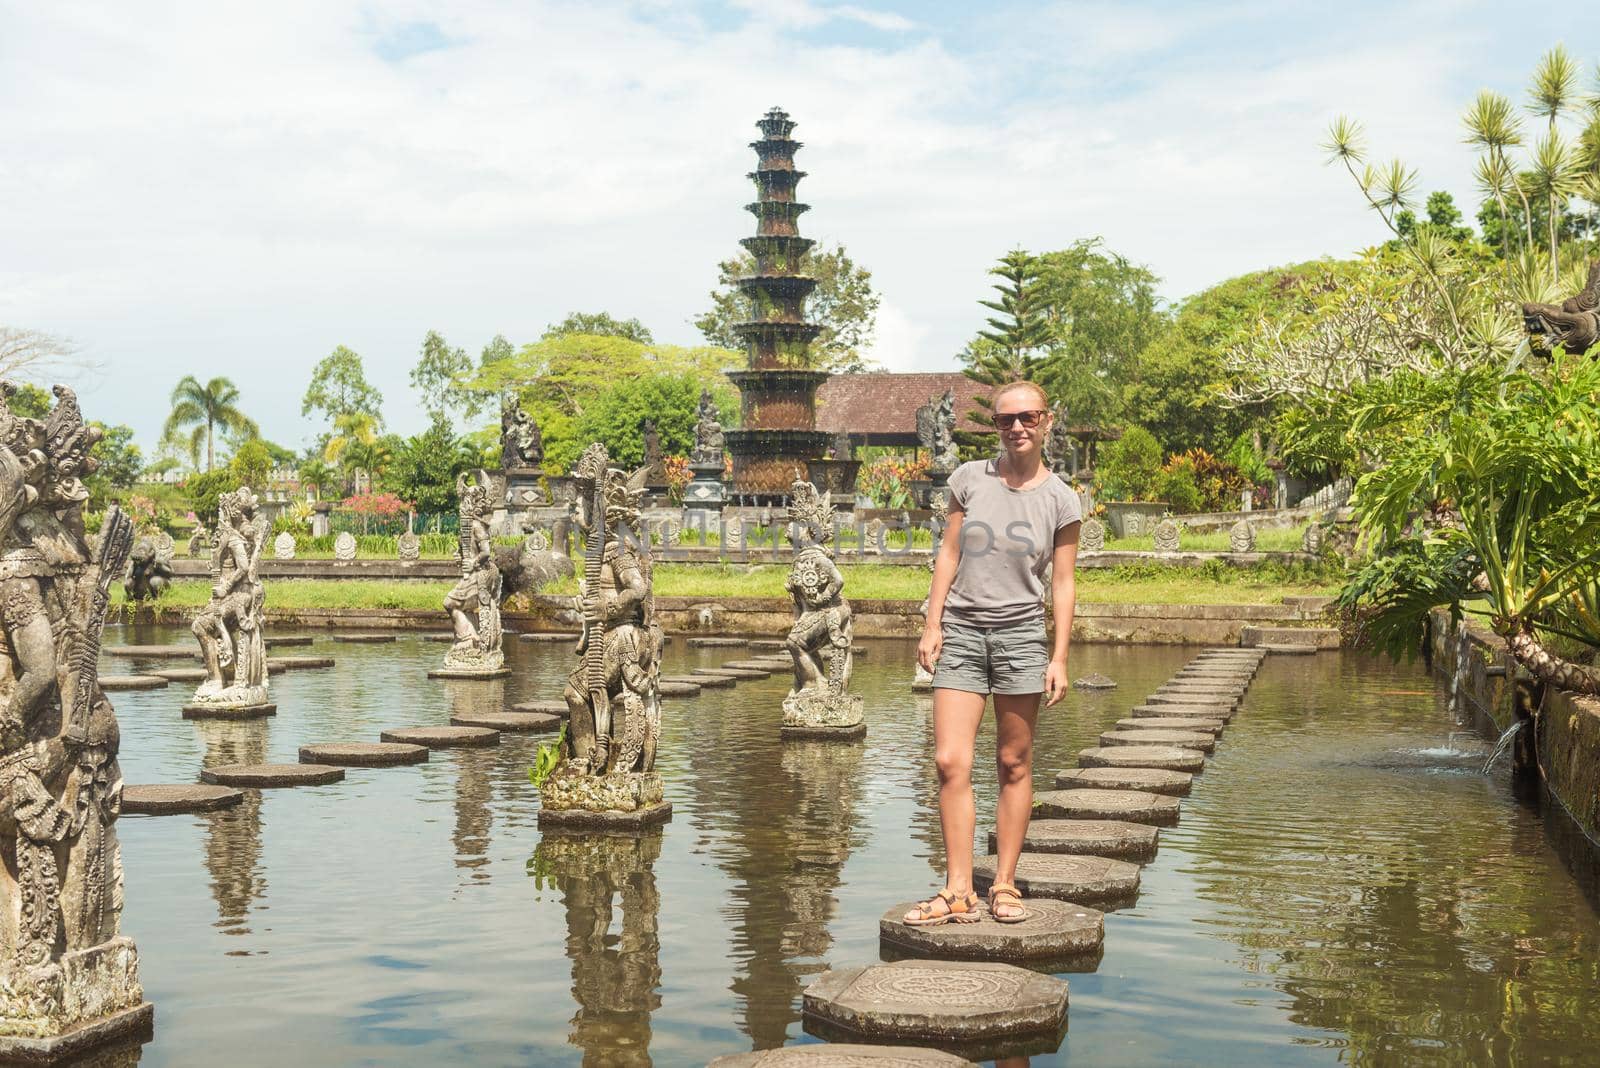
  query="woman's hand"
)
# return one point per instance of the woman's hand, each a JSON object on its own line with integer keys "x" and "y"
{"x": 930, "y": 645}
{"x": 1055, "y": 681}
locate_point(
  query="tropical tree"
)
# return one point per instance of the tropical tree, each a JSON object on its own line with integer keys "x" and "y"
{"x": 1012, "y": 348}
{"x": 339, "y": 386}
{"x": 424, "y": 468}
{"x": 206, "y": 409}
{"x": 598, "y": 324}
{"x": 317, "y": 474}
{"x": 438, "y": 377}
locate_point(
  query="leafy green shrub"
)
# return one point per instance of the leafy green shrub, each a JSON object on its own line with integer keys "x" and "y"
{"x": 1130, "y": 468}
{"x": 1178, "y": 485}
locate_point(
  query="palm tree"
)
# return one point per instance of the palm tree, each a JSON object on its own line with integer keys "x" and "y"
{"x": 1554, "y": 92}
{"x": 205, "y": 408}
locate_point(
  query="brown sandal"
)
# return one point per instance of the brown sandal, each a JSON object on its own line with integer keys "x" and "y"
{"x": 956, "y": 910}
{"x": 1007, "y": 890}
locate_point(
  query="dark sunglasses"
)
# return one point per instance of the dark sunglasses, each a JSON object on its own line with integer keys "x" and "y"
{"x": 1027, "y": 419}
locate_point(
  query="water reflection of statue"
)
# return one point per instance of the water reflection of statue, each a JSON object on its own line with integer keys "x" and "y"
{"x": 708, "y": 438}
{"x": 474, "y": 602}
{"x": 936, "y": 424}
{"x": 616, "y": 978}
{"x": 63, "y": 963}
{"x": 229, "y": 628}
{"x": 233, "y": 835}
{"x": 820, "y": 638}
{"x": 521, "y": 441}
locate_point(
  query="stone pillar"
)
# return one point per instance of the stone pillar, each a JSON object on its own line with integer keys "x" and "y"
{"x": 320, "y": 525}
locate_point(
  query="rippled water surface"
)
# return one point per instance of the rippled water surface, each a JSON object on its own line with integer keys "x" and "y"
{"x": 1344, "y": 887}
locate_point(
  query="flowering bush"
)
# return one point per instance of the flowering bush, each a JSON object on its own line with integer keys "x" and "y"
{"x": 1218, "y": 483}
{"x": 382, "y": 505}
{"x": 675, "y": 472}
{"x": 887, "y": 480}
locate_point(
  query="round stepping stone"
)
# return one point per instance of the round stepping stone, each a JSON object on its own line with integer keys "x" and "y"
{"x": 1212, "y": 727}
{"x": 943, "y": 1003}
{"x": 172, "y": 652}
{"x": 1079, "y": 879}
{"x": 1207, "y": 712}
{"x": 443, "y": 737}
{"x": 716, "y": 643}
{"x": 1193, "y": 700}
{"x": 1230, "y": 678}
{"x": 1169, "y": 757}
{"x": 364, "y": 754}
{"x": 515, "y": 722}
{"x": 768, "y": 665}
{"x": 1057, "y": 931}
{"x": 132, "y": 682}
{"x": 1095, "y": 682}
{"x": 539, "y": 636}
{"x": 1146, "y": 780}
{"x": 229, "y": 711}
{"x": 774, "y": 663}
{"x": 300, "y": 663}
{"x": 1178, "y": 685}
{"x": 738, "y": 673}
{"x": 767, "y": 644}
{"x": 289, "y": 639}
{"x": 1097, "y": 803}
{"x": 701, "y": 680}
{"x": 267, "y": 776}
{"x": 677, "y": 689}
{"x": 177, "y": 798}
{"x": 544, "y": 706}
{"x": 842, "y": 1055}
{"x": 364, "y": 639}
{"x": 1183, "y": 739}
{"x": 182, "y": 674}
{"x": 1202, "y": 693}
{"x": 1290, "y": 649}
{"x": 1121, "y": 839}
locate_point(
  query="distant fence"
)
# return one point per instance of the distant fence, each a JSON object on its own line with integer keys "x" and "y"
{"x": 346, "y": 519}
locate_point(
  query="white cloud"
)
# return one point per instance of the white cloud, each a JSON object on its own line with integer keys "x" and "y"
{"x": 235, "y": 190}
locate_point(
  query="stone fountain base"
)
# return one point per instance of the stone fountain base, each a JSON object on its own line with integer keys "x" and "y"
{"x": 619, "y": 801}
{"x": 490, "y": 665}
{"x": 58, "y": 1013}
{"x": 819, "y": 715}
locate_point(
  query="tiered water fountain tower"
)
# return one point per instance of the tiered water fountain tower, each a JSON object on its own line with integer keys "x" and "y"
{"x": 778, "y": 434}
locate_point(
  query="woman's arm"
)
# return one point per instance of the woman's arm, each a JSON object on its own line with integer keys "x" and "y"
{"x": 1063, "y": 599}
{"x": 944, "y": 575}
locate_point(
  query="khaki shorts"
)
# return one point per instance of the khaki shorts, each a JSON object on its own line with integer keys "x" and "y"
{"x": 1009, "y": 660}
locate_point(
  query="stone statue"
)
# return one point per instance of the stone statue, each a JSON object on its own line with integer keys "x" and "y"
{"x": 200, "y": 540}
{"x": 229, "y": 628}
{"x": 1060, "y": 448}
{"x": 1242, "y": 537}
{"x": 1093, "y": 537}
{"x": 64, "y": 966}
{"x": 1166, "y": 536}
{"x": 1311, "y": 540}
{"x": 344, "y": 546}
{"x": 408, "y": 547}
{"x": 819, "y": 641}
{"x": 521, "y": 441}
{"x": 149, "y": 571}
{"x": 708, "y": 441}
{"x": 1574, "y": 324}
{"x": 652, "y": 448}
{"x": 283, "y": 546}
{"x": 612, "y": 695}
{"x": 474, "y": 601}
{"x": 936, "y": 424}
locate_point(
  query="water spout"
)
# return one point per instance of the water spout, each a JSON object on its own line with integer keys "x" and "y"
{"x": 1503, "y": 744}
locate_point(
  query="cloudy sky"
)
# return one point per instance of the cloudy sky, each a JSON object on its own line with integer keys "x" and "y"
{"x": 226, "y": 188}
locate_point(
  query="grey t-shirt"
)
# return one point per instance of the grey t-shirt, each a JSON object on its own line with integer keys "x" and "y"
{"x": 1007, "y": 540}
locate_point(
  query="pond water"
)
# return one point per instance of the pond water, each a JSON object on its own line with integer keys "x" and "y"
{"x": 1344, "y": 887}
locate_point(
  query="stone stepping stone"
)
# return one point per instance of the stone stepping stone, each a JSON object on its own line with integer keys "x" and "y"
{"x": 1291, "y": 649}
{"x": 1121, "y": 839}
{"x": 1192, "y": 700}
{"x": 1146, "y": 780}
{"x": 1098, "y": 803}
{"x": 182, "y": 674}
{"x": 842, "y": 1055}
{"x": 701, "y": 680}
{"x": 949, "y": 1004}
{"x": 1209, "y": 712}
{"x": 776, "y": 663}
{"x": 289, "y": 639}
{"x": 1205, "y": 743}
{"x": 1225, "y": 678}
{"x": 133, "y": 682}
{"x": 173, "y": 652}
{"x": 270, "y": 776}
{"x": 1169, "y": 757}
{"x": 229, "y": 711}
{"x": 738, "y": 673}
{"x": 301, "y": 663}
{"x": 767, "y": 665}
{"x": 515, "y": 722}
{"x": 543, "y": 707}
{"x": 177, "y": 798}
{"x": 540, "y": 636}
{"x": 767, "y": 644}
{"x": 1095, "y": 682}
{"x": 364, "y": 639}
{"x": 364, "y": 754}
{"x": 1212, "y": 727}
{"x": 716, "y": 643}
{"x": 1057, "y": 931}
{"x": 443, "y": 737}
{"x": 1227, "y": 689}
{"x": 1079, "y": 879}
{"x": 723, "y": 677}
{"x": 677, "y": 689}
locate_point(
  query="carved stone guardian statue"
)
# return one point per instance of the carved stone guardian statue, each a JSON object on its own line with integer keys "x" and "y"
{"x": 607, "y": 777}
{"x": 705, "y": 488}
{"x": 820, "y": 704}
{"x": 69, "y": 980}
{"x": 229, "y": 628}
{"x": 474, "y": 601}
{"x": 1574, "y": 324}
{"x": 521, "y": 458}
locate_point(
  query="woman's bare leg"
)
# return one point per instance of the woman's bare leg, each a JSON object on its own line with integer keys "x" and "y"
{"x": 1015, "y": 716}
{"x": 956, "y": 715}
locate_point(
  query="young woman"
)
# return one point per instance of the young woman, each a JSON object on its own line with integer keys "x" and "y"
{"x": 1010, "y": 519}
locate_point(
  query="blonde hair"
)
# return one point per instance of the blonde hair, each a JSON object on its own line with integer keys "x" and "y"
{"x": 1022, "y": 383}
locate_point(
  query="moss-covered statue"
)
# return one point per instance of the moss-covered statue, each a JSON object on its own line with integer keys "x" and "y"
{"x": 64, "y": 965}
{"x": 820, "y": 703}
{"x": 229, "y": 628}
{"x": 608, "y": 770}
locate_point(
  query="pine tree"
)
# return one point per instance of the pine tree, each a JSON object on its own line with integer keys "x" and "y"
{"x": 1012, "y": 348}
